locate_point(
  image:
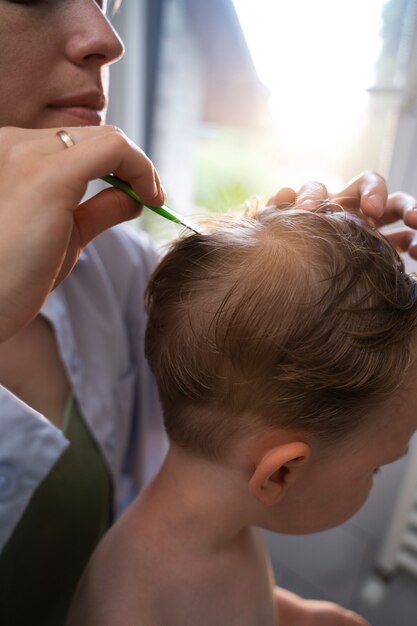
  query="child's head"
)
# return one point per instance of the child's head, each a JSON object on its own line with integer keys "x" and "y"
{"x": 278, "y": 319}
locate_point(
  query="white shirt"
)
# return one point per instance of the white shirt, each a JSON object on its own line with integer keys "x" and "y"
{"x": 99, "y": 322}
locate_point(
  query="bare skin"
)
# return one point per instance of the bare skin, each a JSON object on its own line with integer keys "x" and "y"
{"x": 367, "y": 193}
{"x": 39, "y": 379}
{"x": 54, "y": 61}
{"x": 213, "y": 571}
{"x": 64, "y": 50}
{"x": 199, "y": 515}
{"x": 60, "y": 228}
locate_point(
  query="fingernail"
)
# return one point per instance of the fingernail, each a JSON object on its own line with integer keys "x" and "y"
{"x": 377, "y": 203}
{"x": 163, "y": 192}
{"x": 160, "y": 194}
{"x": 159, "y": 190}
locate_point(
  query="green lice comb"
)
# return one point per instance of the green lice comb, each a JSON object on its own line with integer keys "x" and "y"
{"x": 164, "y": 210}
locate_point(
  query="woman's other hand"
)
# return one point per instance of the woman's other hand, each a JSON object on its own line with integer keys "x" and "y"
{"x": 366, "y": 194}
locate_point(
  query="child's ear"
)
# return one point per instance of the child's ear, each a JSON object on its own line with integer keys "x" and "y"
{"x": 276, "y": 470}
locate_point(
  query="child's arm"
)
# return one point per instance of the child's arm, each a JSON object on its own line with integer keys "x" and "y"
{"x": 295, "y": 611}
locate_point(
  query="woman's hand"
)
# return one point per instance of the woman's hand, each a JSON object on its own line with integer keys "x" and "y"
{"x": 295, "y": 611}
{"x": 367, "y": 194}
{"x": 43, "y": 226}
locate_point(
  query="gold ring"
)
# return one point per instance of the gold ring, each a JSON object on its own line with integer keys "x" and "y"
{"x": 66, "y": 138}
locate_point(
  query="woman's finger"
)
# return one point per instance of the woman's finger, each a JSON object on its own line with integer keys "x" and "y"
{"x": 91, "y": 218}
{"x": 102, "y": 211}
{"x": 95, "y": 152}
{"x": 103, "y": 150}
{"x": 404, "y": 241}
{"x": 283, "y": 198}
{"x": 312, "y": 195}
{"x": 401, "y": 206}
{"x": 367, "y": 192}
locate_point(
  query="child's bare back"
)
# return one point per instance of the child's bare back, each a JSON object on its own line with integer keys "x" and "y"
{"x": 144, "y": 573}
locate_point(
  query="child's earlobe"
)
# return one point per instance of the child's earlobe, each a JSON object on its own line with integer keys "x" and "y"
{"x": 276, "y": 470}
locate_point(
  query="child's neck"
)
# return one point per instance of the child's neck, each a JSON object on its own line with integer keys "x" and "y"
{"x": 200, "y": 502}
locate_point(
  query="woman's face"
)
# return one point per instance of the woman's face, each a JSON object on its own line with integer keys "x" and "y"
{"x": 54, "y": 56}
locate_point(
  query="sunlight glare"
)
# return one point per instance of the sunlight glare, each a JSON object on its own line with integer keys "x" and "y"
{"x": 317, "y": 59}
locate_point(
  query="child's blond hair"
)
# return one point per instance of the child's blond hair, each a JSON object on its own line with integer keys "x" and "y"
{"x": 278, "y": 319}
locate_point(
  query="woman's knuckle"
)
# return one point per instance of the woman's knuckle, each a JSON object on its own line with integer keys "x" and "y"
{"x": 375, "y": 174}
{"x": 117, "y": 138}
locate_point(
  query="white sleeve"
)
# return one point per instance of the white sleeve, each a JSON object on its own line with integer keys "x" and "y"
{"x": 29, "y": 447}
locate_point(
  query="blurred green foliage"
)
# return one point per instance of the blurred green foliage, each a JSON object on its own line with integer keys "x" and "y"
{"x": 231, "y": 167}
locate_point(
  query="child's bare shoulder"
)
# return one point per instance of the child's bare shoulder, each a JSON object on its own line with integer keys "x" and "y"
{"x": 143, "y": 577}
{"x": 119, "y": 581}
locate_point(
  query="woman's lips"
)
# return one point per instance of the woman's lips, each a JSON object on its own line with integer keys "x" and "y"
{"x": 83, "y": 115}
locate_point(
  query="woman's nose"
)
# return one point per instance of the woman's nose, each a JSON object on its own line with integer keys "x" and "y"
{"x": 93, "y": 39}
